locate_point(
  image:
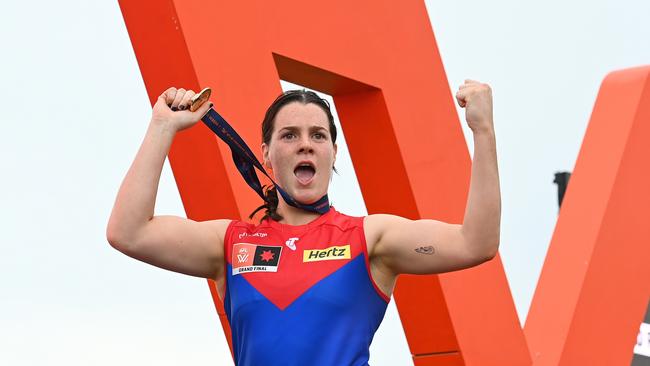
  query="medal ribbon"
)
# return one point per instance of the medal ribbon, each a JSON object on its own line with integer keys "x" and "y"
{"x": 246, "y": 162}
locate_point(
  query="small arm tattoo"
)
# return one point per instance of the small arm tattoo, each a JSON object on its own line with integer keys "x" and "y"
{"x": 425, "y": 250}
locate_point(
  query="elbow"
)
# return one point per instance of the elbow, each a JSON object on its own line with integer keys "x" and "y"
{"x": 490, "y": 255}
{"x": 484, "y": 251}
{"x": 491, "y": 251}
{"x": 483, "y": 248}
{"x": 112, "y": 240}
{"x": 113, "y": 237}
{"x": 116, "y": 237}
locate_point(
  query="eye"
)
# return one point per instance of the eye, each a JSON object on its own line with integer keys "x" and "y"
{"x": 319, "y": 136}
{"x": 288, "y": 136}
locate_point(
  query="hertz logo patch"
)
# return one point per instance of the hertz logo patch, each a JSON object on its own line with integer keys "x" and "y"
{"x": 331, "y": 253}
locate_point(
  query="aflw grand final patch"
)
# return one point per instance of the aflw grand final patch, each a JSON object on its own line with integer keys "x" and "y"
{"x": 255, "y": 258}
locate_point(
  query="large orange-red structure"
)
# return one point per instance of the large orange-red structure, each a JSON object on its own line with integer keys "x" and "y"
{"x": 380, "y": 63}
{"x": 592, "y": 294}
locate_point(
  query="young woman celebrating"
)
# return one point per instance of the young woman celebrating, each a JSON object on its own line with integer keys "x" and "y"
{"x": 304, "y": 286}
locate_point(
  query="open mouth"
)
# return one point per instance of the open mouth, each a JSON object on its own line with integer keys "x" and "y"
{"x": 305, "y": 172}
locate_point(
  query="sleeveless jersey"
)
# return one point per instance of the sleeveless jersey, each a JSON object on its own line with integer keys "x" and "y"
{"x": 301, "y": 295}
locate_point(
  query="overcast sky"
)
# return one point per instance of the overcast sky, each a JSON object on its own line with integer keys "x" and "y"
{"x": 76, "y": 110}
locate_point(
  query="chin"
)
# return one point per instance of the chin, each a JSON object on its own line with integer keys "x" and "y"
{"x": 306, "y": 196}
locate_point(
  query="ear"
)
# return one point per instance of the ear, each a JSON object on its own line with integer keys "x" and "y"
{"x": 265, "y": 156}
{"x": 336, "y": 148}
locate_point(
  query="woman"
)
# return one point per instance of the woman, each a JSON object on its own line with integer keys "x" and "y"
{"x": 302, "y": 287}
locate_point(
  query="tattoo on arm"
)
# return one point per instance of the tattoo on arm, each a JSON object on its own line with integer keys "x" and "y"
{"x": 425, "y": 250}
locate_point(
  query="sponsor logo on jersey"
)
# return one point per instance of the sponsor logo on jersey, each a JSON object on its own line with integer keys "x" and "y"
{"x": 291, "y": 243}
{"x": 258, "y": 235}
{"x": 248, "y": 257}
{"x": 331, "y": 253}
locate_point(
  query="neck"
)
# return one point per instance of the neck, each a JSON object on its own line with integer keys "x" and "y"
{"x": 294, "y": 216}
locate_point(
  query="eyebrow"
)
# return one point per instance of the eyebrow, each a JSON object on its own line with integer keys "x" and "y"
{"x": 295, "y": 128}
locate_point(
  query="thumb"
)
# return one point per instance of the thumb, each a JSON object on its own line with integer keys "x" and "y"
{"x": 203, "y": 109}
{"x": 461, "y": 98}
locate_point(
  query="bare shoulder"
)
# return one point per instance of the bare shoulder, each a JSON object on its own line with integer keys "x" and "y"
{"x": 376, "y": 225}
{"x": 219, "y": 227}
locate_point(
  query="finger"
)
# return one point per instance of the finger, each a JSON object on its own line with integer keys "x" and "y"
{"x": 461, "y": 98}
{"x": 203, "y": 109}
{"x": 185, "y": 102}
{"x": 464, "y": 93}
{"x": 168, "y": 96}
{"x": 177, "y": 99}
{"x": 470, "y": 81}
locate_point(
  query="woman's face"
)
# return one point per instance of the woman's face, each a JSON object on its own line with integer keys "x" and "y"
{"x": 301, "y": 153}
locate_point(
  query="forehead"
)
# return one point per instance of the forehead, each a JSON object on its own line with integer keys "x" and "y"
{"x": 296, "y": 114}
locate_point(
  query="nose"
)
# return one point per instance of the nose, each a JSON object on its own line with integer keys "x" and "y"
{"x": 305, "y": 145}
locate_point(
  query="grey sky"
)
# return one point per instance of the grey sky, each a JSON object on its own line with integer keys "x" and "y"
{"x": 76, "y": 110}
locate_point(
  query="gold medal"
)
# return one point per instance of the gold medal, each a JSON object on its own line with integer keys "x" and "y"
{"x": 200, "y": 98}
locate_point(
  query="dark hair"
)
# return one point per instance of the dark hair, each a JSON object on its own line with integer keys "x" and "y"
{"x": 305, "y": 97}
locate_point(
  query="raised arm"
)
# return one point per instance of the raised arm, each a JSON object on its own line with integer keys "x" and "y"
{"x": 400, "y": 245}
{"x": 174, "y": 243}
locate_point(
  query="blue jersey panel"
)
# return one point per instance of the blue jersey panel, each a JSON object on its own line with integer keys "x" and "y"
{"x": 332, "y": 323}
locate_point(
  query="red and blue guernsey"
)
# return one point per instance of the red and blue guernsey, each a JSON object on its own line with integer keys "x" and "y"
{"x": 301, "y": 295}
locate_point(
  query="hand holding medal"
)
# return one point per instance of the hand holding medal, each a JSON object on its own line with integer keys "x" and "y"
{"x": 180, "y": 108}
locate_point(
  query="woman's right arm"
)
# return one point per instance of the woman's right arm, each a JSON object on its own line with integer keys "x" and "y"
{"x": 174, "y": 243}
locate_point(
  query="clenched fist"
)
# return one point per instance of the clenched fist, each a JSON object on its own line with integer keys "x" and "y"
{"x": 172, "y": 109}
{"x": 476, "y": 98}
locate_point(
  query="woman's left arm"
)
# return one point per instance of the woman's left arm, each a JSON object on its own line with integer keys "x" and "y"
{"x": 430, "y": 246}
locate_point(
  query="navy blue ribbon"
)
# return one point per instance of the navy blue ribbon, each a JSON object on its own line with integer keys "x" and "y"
{"x": 246, "y": 162}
